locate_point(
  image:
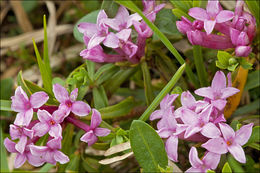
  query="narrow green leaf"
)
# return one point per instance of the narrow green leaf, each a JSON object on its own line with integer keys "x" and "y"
{"x": 91, "y": 18}
{"x": 255, "y": 146}
{"x": 4, "y": 161}
{"x": 253, "y": 80}
{"x": 147, "y": 146}
{"x": 196, "y": 3}
{"x": 6, "y": 87}
{"x": 200, "y": 66}
{"x": 73, "y": 165}
{"x": 166, "y": 42}
{"x": 226, "y": 168}
{"x": 100, "y": 97}
{"x": 183, "y": 5}
{"x": 91, "y": 69}
{"x": 102, "y": 70}
{"x": 255, "y": 136}
{"x": 5, "y": 105}
{"x": 254, "y": 9}
{"x": 162, "y": 94}
{"x": 46, "y": 76}
{"x": 45, "y": 48}
{"x": 106, "y": 76}
{"x": 179, "y": 13}
{"x": 253, "y": 106}
{"x": 235, "y": 165}
{"x": 147, "y": 83}
{"x": 46, "y": 168}
{"x": 88, "y": 166}
{"x": 22, "y": 83}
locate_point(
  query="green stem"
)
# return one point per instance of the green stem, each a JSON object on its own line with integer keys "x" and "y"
{"x": 162, "y": 94}
{"x": 149, "y": 96}
{"x": 106, "y": 125}
{"x": 200, "y": 67}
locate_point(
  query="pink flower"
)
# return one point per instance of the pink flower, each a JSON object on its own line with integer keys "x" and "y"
{"x": 218, "y": 91}
{"x": 50, "y": 153}
{"x": 22, "y": 157}
{"x": 122, "y": 20}
{"x": 209, "y": 161}
{"x": 24, "y": 106}
{"x": 212, "y": 15}
{"x": 91, "y": 136}
{"x": 150, "y": 9}
{"x": 48, "y": 124}
{"x": 69, "y": 103}
{"x": 231, "y": 141}
{"x": 20, "y": 133}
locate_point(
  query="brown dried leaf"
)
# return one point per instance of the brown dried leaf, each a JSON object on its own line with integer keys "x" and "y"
{"x": 118, "y": 148}
{"x": 115, "y": 159}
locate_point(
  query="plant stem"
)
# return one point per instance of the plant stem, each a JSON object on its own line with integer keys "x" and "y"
{"x": 200, "y": 67}
{"x": 106, "y": 125}
{"x": 163, "y": 93}
{"x": 77, "y": 123}
{"x": 149, "y": 96}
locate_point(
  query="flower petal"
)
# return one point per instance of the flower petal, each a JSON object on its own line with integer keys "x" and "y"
{"x": 219, "y": 81}
{"x": 40, "y": 129}
{"x": 14, "y": 131}
{"x": 205, "y": 114}
{"x": 213, "y": 8}
{"x": 80, "y": 108}
{"x": 35, "y": 160}
{"x": 189, "y": 117}
{"x": 229, "y": 91}
{"x": 20, "y": 146}
{"x": 55, "y": 131}
{"x": 89, "y": 138}
{"x": 38, "y": 99}
{"x": 19, "y": 119}
{"x": 111, "y": 41}
{"x": 205, "y": 92}
{"x": 95, "y": 41}
{"x": 101, "y": 131}
{"x": 211, "y": 160}
{"x": 220, "y": 104}
{"x": 234, "y": 33}
{"x": 156, "y": 115}
{"x": 171, "y": 147}
{"x": 164, "y": 133}
{"x": 124, "y": 34}
{"x": 187, "y": 99}
{"x": 224, "y": 16}
{"x": 227, "y": 132}
{"x": 243, "y": 134}
{"x": 191, "y": 130}
{"x": 20, "y": 101}
{"x": 61, "y": 157}
{"x": 10, "y": 145}
{"x": 237, "y": 152}
{"x": 74, "y": 95}
{"x": 195, "y": 170}
{"x": 194, "y": 159}
{"x": 210, "y": 130}
{"x": 113, "y": 23}
{"x": 88, "y": 29}
{"x": 198, "y": 13}
{"x": 38, "y": 150}
{"x": 216, "y": 145}
{"x": 95, "y": 119}
{"x": 54, "y": 143}
{"x": 44, "y": 116}
{"x": 19, "y": 160}
{"x": 209, "y": 26}
{"x": 61, "y": 94}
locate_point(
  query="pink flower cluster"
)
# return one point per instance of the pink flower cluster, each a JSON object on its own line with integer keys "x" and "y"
{"x": 202, "y": 121}
{"x": 120, "y": 40}
{"x": 237, "y": 28}
{"x": 50, "y": 122}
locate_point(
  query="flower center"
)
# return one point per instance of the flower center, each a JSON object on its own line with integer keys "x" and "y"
{"x": 229, "y": 143}
{"x": 68, "y": 103}
{"x": 52, "y": 122}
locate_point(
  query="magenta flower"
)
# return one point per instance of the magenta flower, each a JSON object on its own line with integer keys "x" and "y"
{"x": 50, "y": 153}
{"x": 69, "y": 103}
{"x": 199, "y": 123}
{"x": 122, "y": 20}
{"x": 96, "y": 32}
{"x": 48, "y": 124}
{"x": 20, "y": 133}
{"x": 91, "y": 136}
{"x": 185, "y": 25}
{"x": 150, "y": 9}
{"x": 22, "y": 157}
{"x": 209, "y": 161}
{"x": 231, "y": 141}
{"x": 212, "y": 15}
{"x": 217, "y": 92}
{"x": 24, "y": 106}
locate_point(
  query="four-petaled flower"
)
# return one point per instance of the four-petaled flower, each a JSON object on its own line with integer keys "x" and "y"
{"x": 91, "y": 136}
{"x": 24, "y": 106}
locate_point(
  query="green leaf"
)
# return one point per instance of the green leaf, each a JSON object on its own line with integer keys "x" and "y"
{"x": 196, "y": 3}
{"x": 4, "y": 161}
{"x": 46, "y": 55}
{"x": 28, "y": 6}
{"x": 179, "y": 13}
{"x": 91, "y": 69}
{"x": 5, "y": 105}
{"x": 255, "y": 136}
{"x": 91, "y": 18}
{"x": 243, "y": 62}
{"x": 6, "y": 86}
{"x": 22, "y": 83}
{"x": 162, "y": 94}
{"x": 232, "y": 67}
{"x": 73, "y": 165}
{"x": 210, "y": 171}
{"x": 253, "y": 106}
{"x": 147, "y": 83}
{"x": 59, "y": 81}
{"x": 235, "y": 165}
{"x": 253, "y": 80}
{"x": 163, "y": 38}
{"x": 110, "y": 8}
{"x": 100, "y": 97}
{"x": 223, "y": 58}
{"x": 103, "y": 69}
{"x": 166, "y": 23}
{"x": 107, "y": 75}
{"x": 88, "y": 164}
{"x": 46, "y": 168}
{"x": 226, "y": 168}
{"x": 44, "y": 69}
{"x": 255, "y": 146}
{"x": 253, "y": 6}
{"x": 91, "y": 5}
{"x": 147, "y": 146}
{"x": 182, "y": 5}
